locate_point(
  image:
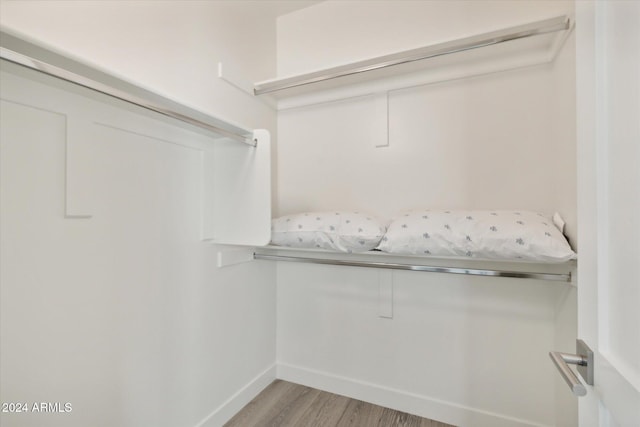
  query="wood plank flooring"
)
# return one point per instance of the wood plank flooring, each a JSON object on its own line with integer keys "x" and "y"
{"x": 284, "y": 404}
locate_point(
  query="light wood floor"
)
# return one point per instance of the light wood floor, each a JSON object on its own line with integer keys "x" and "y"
{"x": 284, "y": 404}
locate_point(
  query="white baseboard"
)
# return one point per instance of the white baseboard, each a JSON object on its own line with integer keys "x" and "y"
{"x": 232, "y": 406}
{"x": 424, "y": 406}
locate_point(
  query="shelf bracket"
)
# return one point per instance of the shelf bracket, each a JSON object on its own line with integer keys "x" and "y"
{"x": 78, "y": 168}
{"x": 230, "y": 74}
{"x": 385, "y": 294}
{"x": 380, "y": 122}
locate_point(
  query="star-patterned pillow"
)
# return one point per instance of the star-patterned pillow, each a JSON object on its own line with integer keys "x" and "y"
{"x": 509, "y": 235}
{"x": 339, "y": 231}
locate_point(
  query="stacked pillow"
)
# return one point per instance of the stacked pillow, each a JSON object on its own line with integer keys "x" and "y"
{"x": 339, "y": 231}
{"x": 511, "y": 235}
{"x": 503, "y": 235}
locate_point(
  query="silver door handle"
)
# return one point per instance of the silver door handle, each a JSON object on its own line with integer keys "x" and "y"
{"x": 584, "y": 361}
{"x": 561, "y": 361}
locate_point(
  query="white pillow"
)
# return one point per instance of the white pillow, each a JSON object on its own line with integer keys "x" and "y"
{"x": 339, "y": 231}
{"x": 479, "y": 234}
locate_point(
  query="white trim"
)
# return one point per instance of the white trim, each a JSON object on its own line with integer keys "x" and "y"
{"x": 424, "y": 406}
{"x": 235, "y": 403}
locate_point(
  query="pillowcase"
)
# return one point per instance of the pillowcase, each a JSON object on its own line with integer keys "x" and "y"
{"x": 338, "y": 231}
{"x": 478, "y": 234}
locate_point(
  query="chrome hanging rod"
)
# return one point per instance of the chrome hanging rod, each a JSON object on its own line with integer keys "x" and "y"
{"x": 558, "y": 277}
{"x": 487, "y": 39}
{"x": 27, "y": 54}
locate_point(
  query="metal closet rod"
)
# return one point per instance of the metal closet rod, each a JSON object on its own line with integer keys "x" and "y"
{"x": 496, "y": 37}
{"x": 557, "y": 277}
{"x": 162, "y": 105}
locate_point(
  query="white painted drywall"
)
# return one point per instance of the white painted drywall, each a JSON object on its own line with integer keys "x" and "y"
{"x": 456, "y": 347}
{"x": 125, "y": 315}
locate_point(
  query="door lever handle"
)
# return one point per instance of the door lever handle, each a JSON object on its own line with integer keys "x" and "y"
{"x": 561, "y": 361}
{"x": 584, "y": 361}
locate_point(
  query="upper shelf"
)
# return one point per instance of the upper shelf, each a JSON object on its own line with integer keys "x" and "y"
{"x": 19, "y": 49}
{"x": 522, "y": 45}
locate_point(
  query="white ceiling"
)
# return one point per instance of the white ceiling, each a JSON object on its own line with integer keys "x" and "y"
{"x": 282, "y": 7}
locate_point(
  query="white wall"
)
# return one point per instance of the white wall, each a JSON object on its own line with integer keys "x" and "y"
{"x": 125, "y": 315}
{"x": 454, "y": 350}
{"x": 482, "y": 143}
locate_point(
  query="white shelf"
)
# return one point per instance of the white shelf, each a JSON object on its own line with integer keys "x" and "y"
{"x": 523, "y": 45}
{"x": 20, "y": 50}
{"x": 552, "y": 272}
